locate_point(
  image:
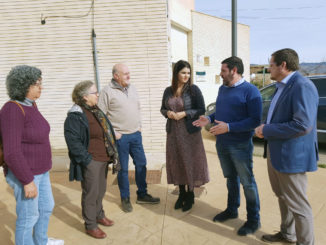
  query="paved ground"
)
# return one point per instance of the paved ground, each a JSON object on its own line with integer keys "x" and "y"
{"x": 161, "y": 224}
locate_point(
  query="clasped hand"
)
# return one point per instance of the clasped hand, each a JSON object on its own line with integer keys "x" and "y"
{"x": 259, "y": 131}
{"x": 176, "y": 115}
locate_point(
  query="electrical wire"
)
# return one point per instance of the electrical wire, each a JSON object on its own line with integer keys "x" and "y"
{"x": 71, "y": 16}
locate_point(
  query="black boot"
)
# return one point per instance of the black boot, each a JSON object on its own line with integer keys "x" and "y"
{"x": 181, "y": 198}
{"x": 189, "y": 201}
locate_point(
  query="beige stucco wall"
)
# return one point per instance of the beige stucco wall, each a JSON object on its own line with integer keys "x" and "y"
{"x": 214, "y": 41}
{"x": 180, "y": 15}
{"x": 188, "y": 4}
{"x": 129, "y": 31}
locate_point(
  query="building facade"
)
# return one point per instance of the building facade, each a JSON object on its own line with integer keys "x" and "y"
{"x": 147, "y": 35}
{"x": 129, "y": 31}
{"x": 205, "y": 41}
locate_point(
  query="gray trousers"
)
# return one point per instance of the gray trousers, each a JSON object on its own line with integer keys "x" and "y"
{"x": 93, "y": 191}
{"x": 296, "y": 213}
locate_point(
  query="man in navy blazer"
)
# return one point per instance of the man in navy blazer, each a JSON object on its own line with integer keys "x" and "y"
{"x": 292, "y": 150}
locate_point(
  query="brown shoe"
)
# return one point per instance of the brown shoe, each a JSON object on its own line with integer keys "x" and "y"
{"x": 278, "y": 237}
{"x": 105, "y": 221}
{"x": 96, "y": 233}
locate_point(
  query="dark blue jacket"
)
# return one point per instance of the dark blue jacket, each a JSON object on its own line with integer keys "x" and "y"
{"x": 194, "y": 106}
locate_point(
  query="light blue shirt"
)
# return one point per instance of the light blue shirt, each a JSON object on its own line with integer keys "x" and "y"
{"x": 242, "y": 80}
{"x": 280, "y": 87}
{"x": 27, "y": 102}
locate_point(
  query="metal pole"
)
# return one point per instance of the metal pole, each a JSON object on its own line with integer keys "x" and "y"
{"x": 234, "y": 27}
{"x": 96, "y": 73}
{"x": 264, "y": 76}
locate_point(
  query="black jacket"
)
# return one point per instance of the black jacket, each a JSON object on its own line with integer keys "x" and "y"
{"x": 194, "y": 106}
{"x": 76, "y": 131}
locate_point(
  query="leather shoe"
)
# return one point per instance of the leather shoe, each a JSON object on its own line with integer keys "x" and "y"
{"x": 225, "y": 215}
{"x": 105, "y": 221}
{"x": 96, "y": 233}
{"x": 278, "y": 237}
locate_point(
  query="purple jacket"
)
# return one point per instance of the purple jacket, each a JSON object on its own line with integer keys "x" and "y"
{"x": 26, "y": 144}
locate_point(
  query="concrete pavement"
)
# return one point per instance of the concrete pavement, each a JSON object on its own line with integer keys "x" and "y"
{"x": 161, "y": 224}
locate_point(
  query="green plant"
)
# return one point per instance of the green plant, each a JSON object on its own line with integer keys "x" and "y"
{"x": 322, "y": 165}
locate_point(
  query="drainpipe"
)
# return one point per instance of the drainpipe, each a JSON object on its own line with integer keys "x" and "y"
{"x": 96, "y": 72}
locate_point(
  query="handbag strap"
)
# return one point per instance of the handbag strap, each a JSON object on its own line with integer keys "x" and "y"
{"x": 20, "y": 106}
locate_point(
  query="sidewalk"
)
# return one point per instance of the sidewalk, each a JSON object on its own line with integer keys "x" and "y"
{"x": 161, "y": 224}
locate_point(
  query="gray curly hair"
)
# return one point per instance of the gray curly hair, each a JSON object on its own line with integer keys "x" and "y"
{"x": 81, "y": 89}
{"x": 19, "y": 80}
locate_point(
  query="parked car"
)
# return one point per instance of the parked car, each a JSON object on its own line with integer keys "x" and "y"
{"x": 267, "y": 95}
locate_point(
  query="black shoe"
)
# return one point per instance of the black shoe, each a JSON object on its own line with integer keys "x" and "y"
{"x": 225, "y": 215}
{"x": 126, "y": 205}
{"x": 249, "y": 227}
{"x": 147, "y": 199}
{"x": 278, "y": 237}
{"x": 182, "y": 197}
{"x": 189, "y": 201}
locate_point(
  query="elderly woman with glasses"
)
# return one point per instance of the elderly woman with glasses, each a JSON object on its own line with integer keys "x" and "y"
{"x": 92, "y": 146}
{"x": 27, "y": 154}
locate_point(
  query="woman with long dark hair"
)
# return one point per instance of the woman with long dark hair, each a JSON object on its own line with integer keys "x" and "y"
{"x": 186, "y": 162}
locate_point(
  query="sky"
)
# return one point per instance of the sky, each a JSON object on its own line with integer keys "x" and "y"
{"x": 277, "y": 24}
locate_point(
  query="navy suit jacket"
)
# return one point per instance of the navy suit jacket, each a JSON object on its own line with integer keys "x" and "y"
{"x": 292, "y": 132}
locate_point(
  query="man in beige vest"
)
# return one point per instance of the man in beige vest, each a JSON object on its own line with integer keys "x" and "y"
{"x": 119, "y": 101}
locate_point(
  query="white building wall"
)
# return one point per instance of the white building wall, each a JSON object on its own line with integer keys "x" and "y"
{"x": 214, "y": 41}
{"x": 129, "y": 31}
{"x": 180, "y": 30}
{"x": 179, "y": 44}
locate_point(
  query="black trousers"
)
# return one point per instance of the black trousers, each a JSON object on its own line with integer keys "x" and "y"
{"x": 93, "y": 191}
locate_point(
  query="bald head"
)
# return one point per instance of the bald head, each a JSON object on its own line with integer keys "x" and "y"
{"x": 118, "y": 67}
{"x": 121, "y": 74}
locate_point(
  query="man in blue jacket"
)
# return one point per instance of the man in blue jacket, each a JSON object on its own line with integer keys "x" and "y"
{"x": 290, "y": 132}
{"x": 238, "y": 112}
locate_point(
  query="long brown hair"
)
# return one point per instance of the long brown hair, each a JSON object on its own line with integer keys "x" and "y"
{"x": 176, "y": 69}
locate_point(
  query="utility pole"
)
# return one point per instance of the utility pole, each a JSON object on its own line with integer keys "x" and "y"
{"x": 234, "y": 27}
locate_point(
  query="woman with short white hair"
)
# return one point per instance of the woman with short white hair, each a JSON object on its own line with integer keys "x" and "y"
{"x": 92, "y": 146}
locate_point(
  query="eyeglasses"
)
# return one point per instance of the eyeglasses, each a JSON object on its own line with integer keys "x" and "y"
{"x": 96, "y": 93}
{"x": 39, "y": 84}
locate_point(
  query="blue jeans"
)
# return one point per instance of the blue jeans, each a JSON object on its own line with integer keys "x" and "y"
{"x": 33, "y": 214}
{"x": 132, "y": 144}
{"x": 236, "y": 163}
